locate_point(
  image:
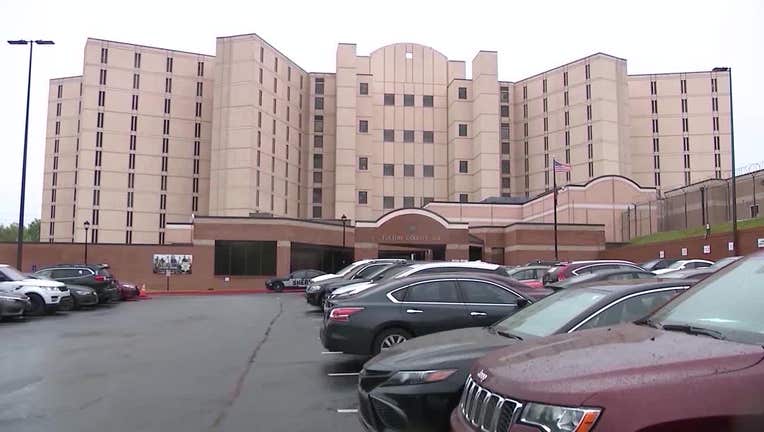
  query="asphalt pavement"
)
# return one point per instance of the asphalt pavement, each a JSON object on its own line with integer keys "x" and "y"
{"x": 206, "y": 363}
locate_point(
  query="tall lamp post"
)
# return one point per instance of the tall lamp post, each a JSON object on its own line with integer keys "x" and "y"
{"x": 87, "y": 227}
{"x": 732, "y": 152}
{"x": 20, "y": 238}
{"x": 344, "y": 220}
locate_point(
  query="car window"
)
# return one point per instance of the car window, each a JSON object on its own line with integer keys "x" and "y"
{"x": 621, "y": 276}
{"x": 436, "y": 291}
{"x": 400, "y": 294}
{"x": 594, "y": 268}
{"x": 522, "y": 274}
{"x": 300, "y": 274}
{"x": 43, "y": 273}
{"x": 630, "y": 310}
{"x": 623, "y": 267}
{"x": 366, "y": 272}
{"x": 65, "y": 273}
{"x": 702, "y": 264}
{"x": 482, "y": 292}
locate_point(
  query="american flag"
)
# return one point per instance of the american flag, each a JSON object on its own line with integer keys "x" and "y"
{"x": 560, "y": 167}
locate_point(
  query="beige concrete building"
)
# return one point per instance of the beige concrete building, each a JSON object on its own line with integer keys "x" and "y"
{"x": 148, "y": 136}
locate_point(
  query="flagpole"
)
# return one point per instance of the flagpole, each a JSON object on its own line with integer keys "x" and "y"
{"x": 554, "y": 185}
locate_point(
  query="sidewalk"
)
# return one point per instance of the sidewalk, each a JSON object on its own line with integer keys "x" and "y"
{"x": 157, "y": 293}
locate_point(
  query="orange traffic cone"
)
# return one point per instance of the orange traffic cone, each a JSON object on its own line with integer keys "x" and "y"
{"x": 142, "y": 292}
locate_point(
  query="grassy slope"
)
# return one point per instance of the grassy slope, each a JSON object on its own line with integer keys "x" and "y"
{"x": 696, "y": 231}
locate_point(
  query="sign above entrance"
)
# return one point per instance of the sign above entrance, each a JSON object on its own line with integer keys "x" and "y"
{"x": 409, "y": 238}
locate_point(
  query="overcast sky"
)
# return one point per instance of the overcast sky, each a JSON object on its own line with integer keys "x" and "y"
{"x": 530, "y": 37}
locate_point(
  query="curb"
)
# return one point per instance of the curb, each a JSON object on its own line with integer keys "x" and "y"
{"x": 221, "y": 292}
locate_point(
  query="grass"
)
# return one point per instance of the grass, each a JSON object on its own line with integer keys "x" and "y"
{"x": 695, "y": 232}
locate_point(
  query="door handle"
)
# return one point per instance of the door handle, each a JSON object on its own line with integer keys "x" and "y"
{"x": 478, "y": 314}
{"x": 413, "y": 311}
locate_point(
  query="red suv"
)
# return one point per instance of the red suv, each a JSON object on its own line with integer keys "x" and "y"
{"x": 695, "y": 365}
{"x": 567, "y": 270}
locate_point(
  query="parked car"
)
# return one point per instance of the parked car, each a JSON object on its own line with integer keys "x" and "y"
{"x": 347, "y": 269}
{"x": 46, "y": 296}
{"x": 421, "y": 268}
{"x": 315, "y": 293}
{"x": 13, "y": 304}
{"x": 414, "y": 386}
{"x": 80, "y": 294}
{"x": 96, "y": 276}
{"x": 703, "y": 272}
{"x": 530, "y": 275}
{"x": 601, "y": 276}
{"x": 296, "y": 279}
{"x": 658, "y": 263}
{"x": 127, "y": 290}
{"x": 688, "y": 264}
{"x": 696, "y": 364}
{"x": 400, "y": 309}
{"x": 575, "y": 268}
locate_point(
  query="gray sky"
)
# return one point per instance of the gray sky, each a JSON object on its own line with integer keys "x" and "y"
{"x": 654, "y": 36}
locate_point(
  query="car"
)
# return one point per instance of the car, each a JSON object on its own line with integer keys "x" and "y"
{"x": 46, "y": 296}
{"x": 81, "y": 295}
{"x": 96, "y": 276}
{"x": 420, "y": 268}
{"x": 395, "y": 393}
{"x": 703, "y": 272}
{"x": 400, "y": 309}
{"x": 575, "y": 268}
{"x": 658, "y": 263}
{"x": 530, "y": 274}
{"x": 127, "y": 290}
{"x": 600, "y": 276}
{"x": 315, "y": 293}
{"x": 688, "y": 264}
{"x": 696, "y": 364}
{"x": 296, "y": 279}
{"x": 13, "y": 304}
{"x": 350, "y": 267}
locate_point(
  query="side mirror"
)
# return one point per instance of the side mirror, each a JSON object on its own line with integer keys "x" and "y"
{"x": 521, "y": 303}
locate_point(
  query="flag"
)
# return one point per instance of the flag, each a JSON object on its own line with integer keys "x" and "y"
{"x": 560, "y": 167}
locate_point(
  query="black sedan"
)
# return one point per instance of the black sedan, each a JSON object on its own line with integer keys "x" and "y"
{"x": 396, "y": 310}
{"x": 315, "y": 293}
{"x": 13, "y": 304}
{"x": 296, "y": 279}
{"x": 415, "y": 386}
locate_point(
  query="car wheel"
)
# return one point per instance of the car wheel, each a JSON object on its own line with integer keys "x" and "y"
{"x": 278, "y": 286}
{"x": 38, "y": 305}
{"x": 390, "y": 338}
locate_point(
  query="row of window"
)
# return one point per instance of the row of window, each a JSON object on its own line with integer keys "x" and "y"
{"x": 137, "y": 57}
{"x": 682, "y": 86}
{"x": 683, "y": 102}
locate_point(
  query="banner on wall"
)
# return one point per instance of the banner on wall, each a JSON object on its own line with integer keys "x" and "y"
{"x": 173, "y": 263}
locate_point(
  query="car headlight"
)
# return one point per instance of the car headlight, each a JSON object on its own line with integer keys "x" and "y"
{"x": 54, "y": 289}
{"x": 419, "y": 377}
{"x": 314, "y": 288}
{"x": 552, "y": 418}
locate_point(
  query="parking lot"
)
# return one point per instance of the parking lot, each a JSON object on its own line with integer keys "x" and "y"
{"x": 213, "y": 363}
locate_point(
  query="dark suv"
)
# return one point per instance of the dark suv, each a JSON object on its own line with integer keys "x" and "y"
{"x": 96, "y": 276}
{"x": 567, "y": 270}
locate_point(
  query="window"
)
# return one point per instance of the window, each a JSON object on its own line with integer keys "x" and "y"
{"x": 442, "y": 291}
{"x": 567, "y": 120}
{"x": 715, "y": 104}
{"x": 589, "y": 132}
{"x": 164, "y": 163}
{"x": 200, "y": 89}
{"x": 167, "y": 106}
{"x": 427, "y": 200}
{"x": 130, "y": 182}
{"x": 463, "y": 166}
{"x": 408, "y": 202}
{"x": 408, "y": 170}
{"x": 525, "y": 110}
{"x": 653, "y": 88}
{"x": 97, "y": 178}
{"x": 485, "y": 293}
{"x": 408, "y": 100}
{"x": 525, "y": 92}
{"x": 198, "y": 112}
{"x": 588, "y": 112}
{"x": 505, "y": 148}
{"x": 363, "y": 88}
{"x": 165, "y": 145}
{"x": 99, "y": 139}
{"x": 588, "y": 91}
{"x": 363, "y": 197}
{"x": 462, "y": 92}
{"x": 565, "y": 79}
{"x": 505, "y": 167}
{"x": 427, "y": 101}
{"x": 464, "y": 198}
{"x": 566, "y": 98}
{"x": 714, "y": 87}
{"x": 428, "y": 171}
{"x": 684, "y": 105}
{"x": 200, "y": 69}
{"x": 388, "y": 135}
{"x": 169, "y": 64}
{"x": 245, "y": 258}
{"x": 98, "y": 158}
{"x": 505, "y": 110}
{"x": 428, "y": 137}
{"x": 363, "y": 163}
{"x": 506, "y": 182}
{"x": 104, "y": 55}
{"x": 168, "y": 85}
{"x": 656, "y": 162}
{"x": 363, "y": 126}
{"x": 686, "y": 125}
{"x": 318, "y": 161}
{"x": 716, "y": 124}
{"x": 656, "y": 145}
{"x": 388, "y": 202}
{"x": 101, "y": 98}
{"x": 462, "y": 130}
{"x": 388, "y": 170}
{"x": 389, "y": 99}
{"x": 545, "y": 105}
{"x": 317, "y": 212}
{"x": 136, "y": 81}
{"x": 162, "y": 202}
{"x": 318, "y": 123}
{"x": 630, "y": 309}
{"x": 587, "y": 72}
{"x": 683, "y": 86}
{"x": 134, "y": 105}
{"x": 655, "y": 126}
{"x": 318, "y": 141}
{"x": 319, "y": 86}
{"x": 408, "y": 136}
{"x": 318, "y": 195}
{"x": 102, "y": 77}
{"x": 131, "y": 161}
{"x": 276, "y": 64}
{"x": 319, "y": 103}
{"x": 163, "y": 183}
{"x": 504, "y": 94}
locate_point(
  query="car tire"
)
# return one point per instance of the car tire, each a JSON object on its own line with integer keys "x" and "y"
{"x": 38, "y": 305}
{"x": 278, "y": 286}
{"x": 389, "y": 338}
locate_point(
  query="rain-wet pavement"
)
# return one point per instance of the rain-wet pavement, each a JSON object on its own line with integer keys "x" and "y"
{"x": 214, "y": 363}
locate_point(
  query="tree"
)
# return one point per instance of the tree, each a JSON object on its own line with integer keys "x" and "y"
{"x": 9, "y": 233}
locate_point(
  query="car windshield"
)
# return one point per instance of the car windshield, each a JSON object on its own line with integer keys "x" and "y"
{"x": 345, "y": 270}
{"x": 548, "y": 315}
{"x": 575, "y": 280}
{"x": 677, "y": 265}
{"x": 724, "y": 262}
{"x": 386, "y": 272}
{"x": 13, "y": 274}
{"x": 729, "y": 302}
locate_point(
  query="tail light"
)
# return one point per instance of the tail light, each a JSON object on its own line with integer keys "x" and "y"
{"x": 343, "y": 314}
{"x": 99, "y": 278}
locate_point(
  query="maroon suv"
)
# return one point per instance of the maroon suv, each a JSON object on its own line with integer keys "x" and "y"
{"x": 695, "y": 365}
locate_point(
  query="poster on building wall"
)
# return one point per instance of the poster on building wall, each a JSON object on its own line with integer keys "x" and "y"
{"x": 760, "y": 242}
{"x": 175, "y": 264}
{"x": 684, "y": 251}
{"x": 706, "y": 249}
{"x": 662, "y": 254}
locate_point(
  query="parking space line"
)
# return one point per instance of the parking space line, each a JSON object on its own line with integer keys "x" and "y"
{"x": 331, "y": 352}
{"x": 343, "y": 374}
{"x": 347, "y": 411}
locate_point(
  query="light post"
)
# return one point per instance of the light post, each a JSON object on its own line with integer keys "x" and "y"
{"x": 344, "y": 220}
{"x": 20, "y": 238}
{"x": 732, "y": 152}
{"x": 87, "y": 227}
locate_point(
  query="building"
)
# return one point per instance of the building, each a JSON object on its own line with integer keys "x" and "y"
{"x": 150, "y": 136}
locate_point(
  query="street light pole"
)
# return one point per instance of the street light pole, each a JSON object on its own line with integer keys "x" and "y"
{"x": 344, "y": 220}
{"x": 87, "y": 227}
{"x": 20, "y": 236}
